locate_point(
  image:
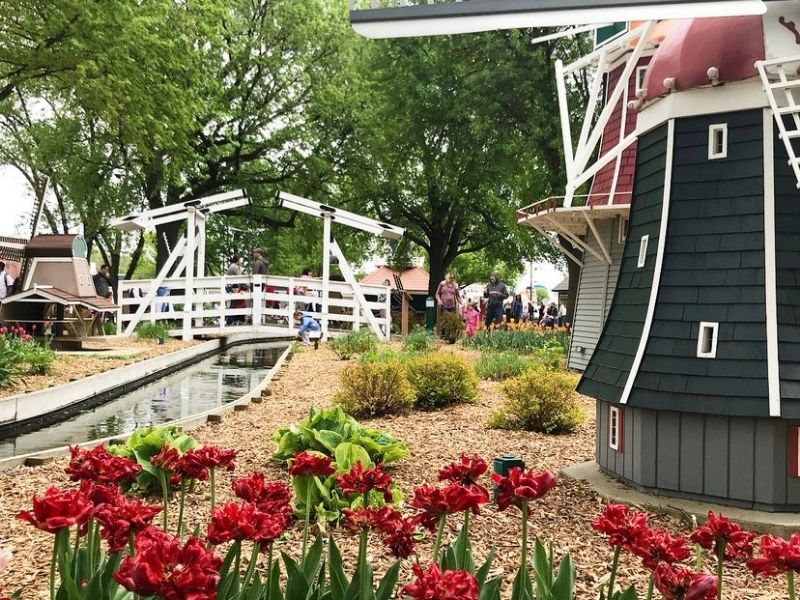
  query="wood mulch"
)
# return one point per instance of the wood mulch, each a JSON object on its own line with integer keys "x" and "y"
{"x": 101, "y": 354}
{"x": 434, "y": 438}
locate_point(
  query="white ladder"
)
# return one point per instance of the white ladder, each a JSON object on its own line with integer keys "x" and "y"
{"x": 786, "y": 83}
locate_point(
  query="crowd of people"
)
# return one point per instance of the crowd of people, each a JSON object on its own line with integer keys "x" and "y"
{"x": 494, "y": 308}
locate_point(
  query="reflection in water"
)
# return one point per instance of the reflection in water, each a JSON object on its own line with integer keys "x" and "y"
{"x": 208, "y": 384}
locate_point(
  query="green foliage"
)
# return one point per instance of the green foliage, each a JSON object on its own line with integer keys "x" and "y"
{"x": 145, "y": 443}
{"x": 541, "y": 295}
{"x": 353, "y": 342}
{"x": 421, "y": 341}
{"x": 39, "y": 358}
{"x": 152, "y": 331}
{"x": 441, "y": 379}
{"x": 20, "y": 355}
{"x": 324, "y": 430}
{"x": 452, "y": 326}
{"x": 540, "y": 400}
{"x": 375, "y": 388}
{"x": 550, "y": 583}
{"x": 499, "y": 366}
{"x": 524, "y": 340}
{"x": 10, "y": 363}
{"x": 458, "y": 556}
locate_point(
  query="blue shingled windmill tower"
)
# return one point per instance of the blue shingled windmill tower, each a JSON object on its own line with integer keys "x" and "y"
{"x": 696, "y": 372}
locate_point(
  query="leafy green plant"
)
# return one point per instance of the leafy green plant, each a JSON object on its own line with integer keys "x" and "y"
{"x": 371, "y": 389}
{"x": 420, "y": 341}
{"x": 152, "y": 331}
{"x": 10, "y": 363}
{"x": 499, "y": 366}
{"x": 441, "y": 379}
{"x": 452, "y": 326}
{"x": 542, "y": 400}
{"x": 324, "y": 430}
{"x": 40, "y": 358}
{"x": 145, "y": 443}
{"x": 520, "y": 339}
{"x": 551, "y": 357}
{"x": 353, "y": 342}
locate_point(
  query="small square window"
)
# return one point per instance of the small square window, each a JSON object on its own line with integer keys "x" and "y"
{"x": 707, "y": 340}
{"x": 641, "y": 72}
{"x": 623, "y": 230}
{"x": 718, "y": 141}
{"x": 642, "y": 251}
{"x": 615, "y": 428}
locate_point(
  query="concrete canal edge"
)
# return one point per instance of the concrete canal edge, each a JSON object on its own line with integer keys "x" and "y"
{"x": 149, "y": 371}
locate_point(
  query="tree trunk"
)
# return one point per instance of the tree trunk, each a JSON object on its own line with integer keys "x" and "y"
{"x": 436, "y": 260}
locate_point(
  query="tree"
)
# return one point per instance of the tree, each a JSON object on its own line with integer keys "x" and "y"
{"x": 454, "y": 134}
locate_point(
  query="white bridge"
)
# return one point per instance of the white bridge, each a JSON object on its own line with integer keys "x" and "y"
{"x": 266, "y": 305}
{"x": 191, "y": 303}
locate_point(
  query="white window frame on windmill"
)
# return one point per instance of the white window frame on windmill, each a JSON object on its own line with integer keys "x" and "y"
{"x": 615, "y": 421}
{"x": 642, "y": 259}
{"x": 623, "y": 230}
{"x": 707, "y": 336}
{"x": 641, "y": 73}
{"x": 717, "y": 141}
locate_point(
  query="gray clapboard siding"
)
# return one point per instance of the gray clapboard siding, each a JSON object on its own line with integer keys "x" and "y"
{"x": 742, "y": 461}
{"x": 595, "y": 291}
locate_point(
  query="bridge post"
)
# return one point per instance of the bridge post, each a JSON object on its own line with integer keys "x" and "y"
{"x": 258, "y": 301}
{"x": 326, "y": 272}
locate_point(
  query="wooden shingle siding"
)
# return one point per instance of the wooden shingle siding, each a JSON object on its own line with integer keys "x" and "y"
{"x": 611, "y": 361}
{"x": 741, "y": 460}
{"x": 595, "y": 291}
{"x": 787, "y": 266}
{"x": 713, "y": 271}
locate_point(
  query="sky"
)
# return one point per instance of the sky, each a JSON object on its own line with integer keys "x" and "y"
{"x": 16, "y": 200}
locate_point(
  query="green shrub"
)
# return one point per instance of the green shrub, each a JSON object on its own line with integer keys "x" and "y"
{"x": 452, "y": 326}
{"x": 152, "y": 331}
{"x": 375, "y": 388}
{"x": 499, "y": 366}
{"x": 10, "y": 363}
{"x": 441, "y": 379}
{"x": 381, "y": 355}
{"x": 542, "y": 400}
{"x": 551, "y": 357}
{"x": 327, "y": 429}
{"x": 523, "y": 339}
{"x": 420, "y": 341}
{"x": 353, "y": 342}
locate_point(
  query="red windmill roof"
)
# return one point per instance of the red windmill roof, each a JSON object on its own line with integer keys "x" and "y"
{"x": 414, "y": 280}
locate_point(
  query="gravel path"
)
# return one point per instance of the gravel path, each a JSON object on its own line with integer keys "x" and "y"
{"x": 434, "y": 438}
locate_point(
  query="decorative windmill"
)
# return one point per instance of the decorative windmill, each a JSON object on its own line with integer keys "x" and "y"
{"x": 697, "y": 370}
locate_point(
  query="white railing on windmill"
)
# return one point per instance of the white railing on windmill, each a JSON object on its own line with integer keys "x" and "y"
{"x": 190, "y": 303}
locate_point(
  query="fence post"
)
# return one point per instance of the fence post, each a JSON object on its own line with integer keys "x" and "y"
{"x": 223, "y": 302}
{"x": 257, "y": 296}
{"x": 290, "y": 319}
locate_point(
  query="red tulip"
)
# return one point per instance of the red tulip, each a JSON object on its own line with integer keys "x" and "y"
{"x": 382, "y": 519}
{"x": 437, "y": 585}
{"x": 58, "y": 509}
{"x": 268, "y": 496}
{"x": 622, "y": 526}
{"x": 436, "y": 502}
{"x": 777, "y": 556}
{"x": 232, "y": 522}
{"x": 99, "y": 466}
{"x": 676, "y": 583}
{"x": 214, "y": 457}
{"x": 269, "y": 527}
{"x": 193, "y": 465}
{"x": 309, "y": 463}
{"x": 717, "y": 530}
{"x": 522, "y": 486}
{"x": 466, "y": 471}
{"x": 655, "y": 546}
{"x": 168, "y": 459}
{"x": 361, "y": 481}
{"x": 123, "y": 517}
{"x": 100, "y": 494}
{"x": 399, "y": 540}
{"x": 162, "y": 567}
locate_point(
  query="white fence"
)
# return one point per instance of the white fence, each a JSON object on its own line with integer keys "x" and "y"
{"x": 264, "y": 304}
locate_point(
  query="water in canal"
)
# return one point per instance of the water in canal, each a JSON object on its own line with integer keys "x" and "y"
{"x": 200, "y": 387}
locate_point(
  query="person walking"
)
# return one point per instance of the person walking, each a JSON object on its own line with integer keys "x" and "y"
{"x": 448, "y": 296}
{"x": 235, "y": 269}
{"x": 261, "y": 265}
{"x": 517, "y": 307}
{"x": 472, "y": 316}
{"x": 6, "y": 282}
{"x": 495, "y": 293}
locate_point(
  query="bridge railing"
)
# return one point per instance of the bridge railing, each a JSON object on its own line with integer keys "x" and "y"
{"x": 263, "y": 304}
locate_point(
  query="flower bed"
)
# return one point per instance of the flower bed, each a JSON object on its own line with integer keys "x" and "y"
{"x": 564, "y": 516}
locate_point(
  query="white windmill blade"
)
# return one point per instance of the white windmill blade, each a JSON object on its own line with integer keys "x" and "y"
{"x": 380, "y": 19}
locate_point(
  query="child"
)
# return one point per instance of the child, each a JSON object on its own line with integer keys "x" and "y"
{"x": 308, "y": 326}
{"x": 473, "y": 318}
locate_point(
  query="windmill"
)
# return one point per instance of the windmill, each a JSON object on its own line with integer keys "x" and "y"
{"x": 696, "y": 373}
